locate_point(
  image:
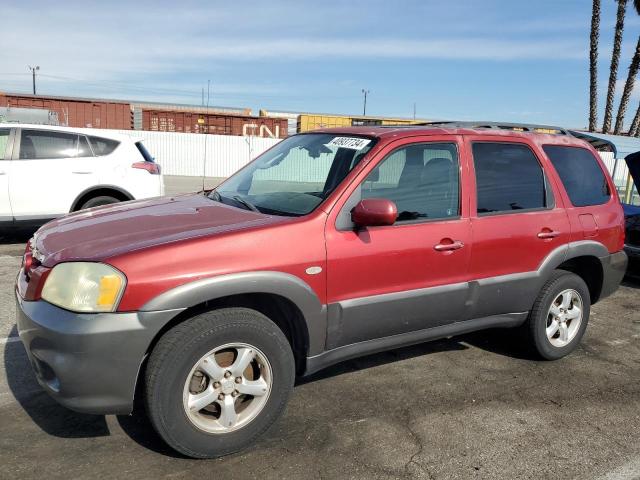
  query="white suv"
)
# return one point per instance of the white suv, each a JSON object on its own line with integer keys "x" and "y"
{"x": 46, "y": 171}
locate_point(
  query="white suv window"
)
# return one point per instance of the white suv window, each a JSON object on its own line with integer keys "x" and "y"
{"x": 102, "y": 146}
{"x": 4, "y": 139}
{"x": 40, "y": 144}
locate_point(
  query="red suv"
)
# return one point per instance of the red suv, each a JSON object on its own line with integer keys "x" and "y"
{"x": 332, "y": 244}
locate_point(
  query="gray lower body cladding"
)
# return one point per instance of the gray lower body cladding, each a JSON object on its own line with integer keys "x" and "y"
{"x": 91, "y": 362}
{"x": 614, "y": 267}
{"x": 87, "y": 362}
{"x": 353, "y": 350}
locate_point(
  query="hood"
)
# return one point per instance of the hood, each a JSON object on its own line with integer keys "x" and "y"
{"x": 103, "y": 232}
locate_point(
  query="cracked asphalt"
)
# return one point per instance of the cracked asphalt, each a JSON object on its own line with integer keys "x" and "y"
{"x": 474, "y": 406}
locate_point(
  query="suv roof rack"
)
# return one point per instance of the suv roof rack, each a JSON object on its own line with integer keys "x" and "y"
{"x": 517, "y": 127}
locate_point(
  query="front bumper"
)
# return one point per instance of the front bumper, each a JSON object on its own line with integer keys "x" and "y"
{"x": 87, "y": 362}
{"x": 614, "y": 267}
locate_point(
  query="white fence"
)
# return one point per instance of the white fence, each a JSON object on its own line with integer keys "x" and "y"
{"x": 621, "y": 175}
{"x": 184, "y": 153}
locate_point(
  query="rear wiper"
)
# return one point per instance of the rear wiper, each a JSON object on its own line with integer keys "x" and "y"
{"x": 246, "y": 203}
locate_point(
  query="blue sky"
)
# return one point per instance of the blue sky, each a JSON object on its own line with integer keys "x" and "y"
{"x": 506, "y": 60}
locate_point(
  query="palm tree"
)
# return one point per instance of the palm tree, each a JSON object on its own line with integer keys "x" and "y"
{"x": 634, "y": 130}
{"x": 593, "y": 66}
{"x": 631, "y": 79}
{"x": 615, "y": 59}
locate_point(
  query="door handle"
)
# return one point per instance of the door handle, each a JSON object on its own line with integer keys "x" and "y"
{"x": 546, "y": 234}
{"x": 446, "y": 247}
{"x": 82, "y": 173}
{"x": 3, "y": 173}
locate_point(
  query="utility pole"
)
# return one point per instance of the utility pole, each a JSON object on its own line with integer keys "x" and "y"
{"x": 414, "y": 110}
{"x": 33, "y": 72}
{"x": 364, "y": 109}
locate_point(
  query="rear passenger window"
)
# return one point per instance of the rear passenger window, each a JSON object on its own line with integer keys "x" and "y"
{"x": 41, "y": 144}
{"x": 508, "y": 178}
{"x": 83, "y": 147}
{"x": 103, "y": 146}
{"x": 581, "y": 175}
{"x": 421, "y": 179}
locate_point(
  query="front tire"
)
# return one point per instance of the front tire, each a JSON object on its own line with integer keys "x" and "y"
{"x": 99, "y": 201}
{"x": 216, "y": 382}
{"x": 559, "y": 316}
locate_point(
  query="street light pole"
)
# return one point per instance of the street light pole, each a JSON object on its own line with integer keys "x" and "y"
{"x": 364, "y": 109}
{"x": 33, "y": 73}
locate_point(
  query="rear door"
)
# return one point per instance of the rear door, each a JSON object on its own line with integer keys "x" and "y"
{"x": 517, "y": 220}
{"x": 5, "y": 206}
{"x": 49, "y": 169}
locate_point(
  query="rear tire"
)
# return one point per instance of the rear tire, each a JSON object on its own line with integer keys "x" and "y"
{"x": 198, "y": 383}
{"x": 559, "y": 316}
{"x": 99, "y": 201}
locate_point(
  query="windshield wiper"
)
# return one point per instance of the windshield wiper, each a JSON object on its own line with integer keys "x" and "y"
{"x": 214, "y": 195}
{"x": 249, "y": 205}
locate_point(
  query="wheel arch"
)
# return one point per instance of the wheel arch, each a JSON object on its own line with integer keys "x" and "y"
{"x": 582, "y": 258}
{"x": 97, "y": 190}
{"x": 288, "y": 301}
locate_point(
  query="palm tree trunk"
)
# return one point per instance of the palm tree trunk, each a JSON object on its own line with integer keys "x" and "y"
{"x": 593, "y": 67}
{"x": 634, "y": 130}
{"x": 615, "y": 59}
{"x": 628, "y": 88}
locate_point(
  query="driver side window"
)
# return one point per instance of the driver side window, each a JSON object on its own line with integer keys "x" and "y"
{"x": 423, "y": 180}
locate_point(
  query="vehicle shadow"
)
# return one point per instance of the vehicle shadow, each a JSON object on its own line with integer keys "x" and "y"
{"x": 385, "y": 358}
{"x": 16, "y": 235}
{"x": 58, "y": 421}
{"x": 50, "y": 417}
{"x": 632, "y": 280}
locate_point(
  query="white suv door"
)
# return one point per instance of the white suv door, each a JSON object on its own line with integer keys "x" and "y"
{"x": 5, "y": 206}
{"x": 49, "y": 169}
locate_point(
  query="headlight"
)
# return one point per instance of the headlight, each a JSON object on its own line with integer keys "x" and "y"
{"x": 84, "y": 287}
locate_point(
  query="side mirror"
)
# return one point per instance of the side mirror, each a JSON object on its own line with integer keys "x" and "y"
{"x": 373, "y": 212}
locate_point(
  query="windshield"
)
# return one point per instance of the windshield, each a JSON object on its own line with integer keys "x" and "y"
{"x": 296, "y": 175}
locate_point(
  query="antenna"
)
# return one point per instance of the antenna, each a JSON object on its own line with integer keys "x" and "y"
{"x": 206, "y": 133}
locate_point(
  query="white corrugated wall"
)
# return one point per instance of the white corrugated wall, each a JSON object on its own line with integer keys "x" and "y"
{"x": 183, "y": 153}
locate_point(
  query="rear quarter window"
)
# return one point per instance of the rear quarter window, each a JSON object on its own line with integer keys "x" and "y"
{"x": 581, "y": 175}
{"x": 102, "y": 146}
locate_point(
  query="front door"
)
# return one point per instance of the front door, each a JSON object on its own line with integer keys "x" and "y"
{"x": 48, "y": 172}
{"x": 5, "y": 206}
{"x": 412, "y": 275}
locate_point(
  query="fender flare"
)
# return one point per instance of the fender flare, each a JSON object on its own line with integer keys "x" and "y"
{"x": 277, "y": 283}
{"x": 581, "y": 248}
{"x": 120, "y": 190}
